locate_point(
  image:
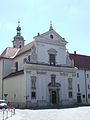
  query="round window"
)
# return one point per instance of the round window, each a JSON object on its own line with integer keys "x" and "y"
{"x": 51, "y": 36}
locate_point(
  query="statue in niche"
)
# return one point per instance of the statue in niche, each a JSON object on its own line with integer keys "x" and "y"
{"x": 33, "y": 54}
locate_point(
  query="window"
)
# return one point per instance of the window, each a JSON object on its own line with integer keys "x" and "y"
{"x": 33, "y": 95}
{"x": 88, "y": 86}
{"x": 78, "y": 87}
{"x": 52, "y": 59}
{"x": 24, "y": 60}
{"x": 70, "y": 94}
{"x": 33, "y": 82}
{"x": 20, "y": 46}
{"x": 69, "y": 83}
{"x": 87, "y": 75}
{"x": 16, "y": 65}
{"x": 83, "y": 96}
{"x": 29, "y": 58}
{"x": 51, "y": 36}
{"x": 77, "y": 75}
{"x": 53, "y": 78}
{"x": 89, "y": 96}
{"x": 33, "y": 87}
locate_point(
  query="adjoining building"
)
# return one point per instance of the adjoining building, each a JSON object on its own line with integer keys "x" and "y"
{"x": 43, "y": 73}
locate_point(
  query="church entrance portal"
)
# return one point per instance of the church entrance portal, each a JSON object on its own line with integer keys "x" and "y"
{"x": 54, "y": 90}
{"x": 54, "y": 101}
{"x": 79, "y": 98}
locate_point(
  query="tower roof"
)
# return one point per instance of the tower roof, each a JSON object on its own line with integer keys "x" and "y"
{"x": 18, "y": 35}
{"x": 18, "y": 41}
{"x": 18, "y": 29}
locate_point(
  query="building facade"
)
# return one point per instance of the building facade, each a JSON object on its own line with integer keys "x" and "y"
{"x": 43, "y": 73}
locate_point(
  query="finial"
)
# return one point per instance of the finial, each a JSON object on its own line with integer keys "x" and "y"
{"x": 50, "y": 22}
{"x": 51, "y": 27}
{"x": 18, "y": 23}
{"x": 18, "y": 29}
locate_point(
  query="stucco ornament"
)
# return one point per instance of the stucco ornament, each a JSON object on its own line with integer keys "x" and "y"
{"x": 69, "y": 62}
{"x": 33, "y": 55}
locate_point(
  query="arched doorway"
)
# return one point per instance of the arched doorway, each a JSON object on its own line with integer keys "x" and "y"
{"x": 54, "y": 93}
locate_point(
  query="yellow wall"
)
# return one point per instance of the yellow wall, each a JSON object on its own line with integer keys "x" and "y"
{"x": 1, "y": 75}
{"x": 15, "y": 85}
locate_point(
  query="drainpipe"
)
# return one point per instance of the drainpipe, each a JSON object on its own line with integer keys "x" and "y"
{"x": 2, "y": 88}
{"x": 85, "y": 85}
{"x": 2, "y": 77}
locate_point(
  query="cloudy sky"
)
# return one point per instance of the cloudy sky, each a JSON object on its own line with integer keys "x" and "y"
{"x": 70, "y": 18}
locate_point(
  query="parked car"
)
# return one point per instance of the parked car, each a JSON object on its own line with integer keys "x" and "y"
{"x": 3, "y": 104}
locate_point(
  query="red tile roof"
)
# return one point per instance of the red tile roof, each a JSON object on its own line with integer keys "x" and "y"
{"x": 9, "y": 52}
{"x": 80, "y": 61}
{"x": 25, "y": 48}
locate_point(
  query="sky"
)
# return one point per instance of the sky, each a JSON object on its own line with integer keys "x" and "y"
{"x": 70, "y": 18}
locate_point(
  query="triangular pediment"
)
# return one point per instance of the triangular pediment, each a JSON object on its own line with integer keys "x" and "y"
{"x": 52, "y": 36}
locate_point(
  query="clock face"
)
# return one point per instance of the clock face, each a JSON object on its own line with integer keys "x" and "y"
{"x": 51, "y": 36}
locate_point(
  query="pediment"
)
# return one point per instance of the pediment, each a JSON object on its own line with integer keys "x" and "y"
{"x": 51, "y": 36}
{"x": 52, "y": 51}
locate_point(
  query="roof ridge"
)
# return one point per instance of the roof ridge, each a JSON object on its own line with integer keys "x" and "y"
{"x": 79, "y": 55}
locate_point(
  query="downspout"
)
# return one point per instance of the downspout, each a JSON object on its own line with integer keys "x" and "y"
{"x": 2, "y": 77}
{"x": 85, "y": 85}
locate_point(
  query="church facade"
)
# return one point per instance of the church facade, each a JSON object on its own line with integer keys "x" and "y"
{"x": 43, "y": 73}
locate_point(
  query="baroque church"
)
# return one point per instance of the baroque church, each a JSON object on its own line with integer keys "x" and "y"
{"x": 43, "y": 73}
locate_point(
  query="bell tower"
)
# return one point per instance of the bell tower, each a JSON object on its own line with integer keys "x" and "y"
{"x": 18, "y": 41}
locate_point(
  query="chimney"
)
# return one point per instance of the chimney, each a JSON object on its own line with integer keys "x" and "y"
{"x": 74, "y": 52}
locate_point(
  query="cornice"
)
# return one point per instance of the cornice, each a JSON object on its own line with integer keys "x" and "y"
{"x": 49, "y": 68}
{"x": 48, "y": 41}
